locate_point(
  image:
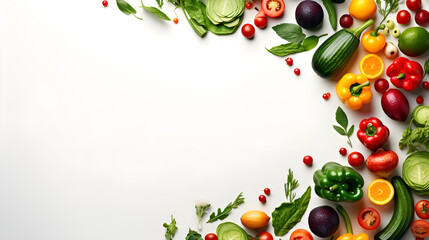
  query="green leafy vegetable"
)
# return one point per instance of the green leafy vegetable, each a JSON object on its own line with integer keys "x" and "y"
{"x": 170, "y": 228}
{"x": 427, "y": 67}
{"x": 126, "y": 8}
{"x": 311, "y": 42}
{"x": 195, "y": 8}
{"x": 389, "y": 6}
{"x": 415, "y": 171}
{"x": 290, "y": 32}
{"x": 221, "y": 215}
{"x": 415, "y": 138}
{"x": 160, "y": 3}
{"x": 174, "y": 2}
{"x": 288, "y": 214}
{"x": 193, "y": 235}
{"x": 155, "y": 11}
{"x": 342, "y": 120}
{"x": 200, "y": 210}
{"x": 290, "y": 185}
{"x": 295, "y": 47}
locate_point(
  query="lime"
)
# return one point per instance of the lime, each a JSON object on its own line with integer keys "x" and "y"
{"x": 414, "y": 41}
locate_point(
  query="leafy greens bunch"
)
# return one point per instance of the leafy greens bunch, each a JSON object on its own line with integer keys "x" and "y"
{"x": 298, "y": 42}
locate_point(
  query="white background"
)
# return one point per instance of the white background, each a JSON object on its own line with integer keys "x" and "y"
{"x": 109, "y": 124}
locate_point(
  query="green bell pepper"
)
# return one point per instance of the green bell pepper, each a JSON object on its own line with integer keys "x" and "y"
{"x": 338, "y": 183}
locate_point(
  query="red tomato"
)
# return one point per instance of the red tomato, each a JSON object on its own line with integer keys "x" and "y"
{"x": 248, "y": 30}
{"x": 176, "y": 20}
{"x": 262, "y": 198}
{"x": 249, "y": 5}
{"x": 420, "y": 228}
{"x": 420, "y": 100}
{"x": 261, "y": 20}
{"x": 301, "y": 234}
{"x": 369, "y": 218}
{"x": 346, "y": 21}
{"x": 422, "y": 17}
{"x": 355, "y": 159}
{"x": 265, "y": 236}
{"x": 425, "y": 85}
{"x": 273, "y": 8}
{"x": 308, "y": 160}
{"x": 210, "y": 236}
{"x": 267, "y": 191}
{"x": 403, "y": 17}
{"x": 422, "y": 209}
{"x": 343, "y": 151}
{"x": 414, "y": 5}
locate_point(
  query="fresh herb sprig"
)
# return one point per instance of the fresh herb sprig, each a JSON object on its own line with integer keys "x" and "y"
{"x": 415, "y": 138}
{"x": 200, "y": 209}
{"x": 341, "y": 118}
{"x": 221, "y": 215}
{"x": 170, "y": 229}
{"x": 298, "y": 42}
{"x": 290, "y": 185}
{"x": 127, "y": 9}
{"x": 193, "y": 235}
{"x": 389, "y": 6}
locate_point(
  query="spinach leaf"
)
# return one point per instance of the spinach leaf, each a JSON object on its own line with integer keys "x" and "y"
{"x": 196, "y": 10}
{"x": 175, "y": 2}
{"x": 286, "y": 49}
{"x": 160, "y": 3}
{"x": 200, "y": 29}
{"x": 290, "y": 32}
{"x": 156, "y": 12}
{"x": 288, "y": 214}
{"x": 193, "y": 235}
{"x": 126, "y": 8}
{"x": 311, "y": 42}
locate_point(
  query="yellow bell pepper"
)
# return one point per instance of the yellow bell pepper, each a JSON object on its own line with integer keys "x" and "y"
{"x": 349, "y": 236}
{"x": 354, "y": 90}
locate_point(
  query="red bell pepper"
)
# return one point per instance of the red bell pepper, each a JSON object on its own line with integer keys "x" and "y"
{"x": 372, "y": 133}
{"x": 405, "y": 74}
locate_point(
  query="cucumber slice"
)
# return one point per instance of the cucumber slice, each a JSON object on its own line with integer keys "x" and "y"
{"x": 230, "y": 231}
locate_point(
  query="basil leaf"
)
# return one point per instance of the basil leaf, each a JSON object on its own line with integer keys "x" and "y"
{"x": 288, "y": 214}
{"x": 341, "y": 118}
{"x": 155, "y": 11}
{"x": 193, "y": 235}
{"x": 290, "y": 32}
{"x": 160, "y": 3}
{"x": 350, "y": 132}
{"x": 286, "y": 49}
{"x": 340, "y": 130}
{"x": 126, "y": 8}
{"x": 427, "y": 67}
{"x": 311, "y": 42}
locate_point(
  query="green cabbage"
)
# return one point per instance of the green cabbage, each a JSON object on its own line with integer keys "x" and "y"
{"x": 415, "y": 172}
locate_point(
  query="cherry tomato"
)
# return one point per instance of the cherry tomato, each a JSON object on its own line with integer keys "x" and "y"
{"x": 248, "y": 30}
{"x": 369, "y": 218}
{"x": 325, "y": 96}
{"x": 403, "y": 17}
{"x": 261, "y": 20}
{"x": 297, "y": 71}
{"x": 329, "y": 94}
{"x": 308, "y": 160}
{"x": 346, "y": 21}
{"x": 420, "y": 100}
{"x": 381, "y": 85}
{"x": 422, "y": 209}
{"x": 343, "y": 151}
{"x": 176, "y": 20}
{"x": 289, "y": 61}
{"x": 267, "y": 191}
{"x": 105, "y": 3}
{"x": 414, "y": 5}
{"x": 422, "y": 17}
{"x": 420, "y": 228}
{"x": 249, "y": 5}
{"x": 262, "y": 198}
{"x": 355, "y": 159}
{"x": 273, "y": 8}
{"x": 210, "y": 236}
{"x": 265, "y": 236}
{"x": 301, "y": 234}
{"x": 425, "y": 85}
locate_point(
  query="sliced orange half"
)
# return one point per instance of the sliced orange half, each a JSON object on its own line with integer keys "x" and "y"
{"x": 371, "y": 66}
{"x": 380, "y": 191}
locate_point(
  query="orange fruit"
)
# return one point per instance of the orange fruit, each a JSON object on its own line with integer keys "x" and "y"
{"x": 380, "y": 191}
{"x": 371, "y": 66}
{"x": 362, "y": 9}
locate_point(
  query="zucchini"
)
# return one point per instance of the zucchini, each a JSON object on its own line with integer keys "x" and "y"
{"x": 403, "y": 214}
{"x": 333, "y": 55}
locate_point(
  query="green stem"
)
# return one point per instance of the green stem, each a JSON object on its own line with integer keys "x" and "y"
{"x": 375, "y": 32}
{"x": 346, "y": 217}
{"x": 370, "y": 130}
{"x": 358, "y": 31}
{"x": 400, "y": 76}
{"x": 356, "y": 90}
{"x": 332, "y": 188}
{"x": 349, "y": 142}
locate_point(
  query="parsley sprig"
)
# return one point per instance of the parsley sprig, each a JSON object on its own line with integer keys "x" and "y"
{"x": 415, "y": 138}
{"x": 341, "y": 118}
{"x": 221, "y": 215}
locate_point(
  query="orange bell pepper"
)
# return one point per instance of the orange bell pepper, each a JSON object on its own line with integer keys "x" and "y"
{"x": 349, "y": 234}
{"x": 373, "y": 41}
{"x": 354, "y": 90}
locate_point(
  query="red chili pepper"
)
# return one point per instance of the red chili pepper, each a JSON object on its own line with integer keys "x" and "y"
{"x": 372, "y": 133}
{"x": 405, "y": 74}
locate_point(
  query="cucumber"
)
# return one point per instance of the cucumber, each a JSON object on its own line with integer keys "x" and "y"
{"x": 333, "y": 55}
{"x": 420, "y": 116}
{"x": 403, "y": 214}
{"x": 230, "y": 231}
